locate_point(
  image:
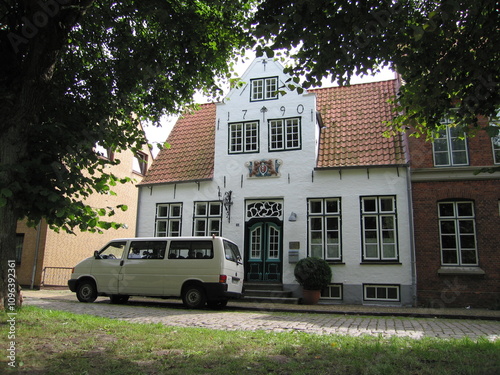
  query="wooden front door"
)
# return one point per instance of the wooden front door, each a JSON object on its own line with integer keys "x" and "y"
{"x": 264, "y": 251}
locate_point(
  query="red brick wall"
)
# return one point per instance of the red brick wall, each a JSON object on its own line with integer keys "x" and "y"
{"x": 459, "y": 291}
{"x": 479, "y": 146}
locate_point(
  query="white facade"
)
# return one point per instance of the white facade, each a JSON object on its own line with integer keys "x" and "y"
{"x": 270, "y": 216}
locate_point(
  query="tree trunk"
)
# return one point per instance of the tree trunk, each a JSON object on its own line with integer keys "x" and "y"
{"x": 10, "y": 296}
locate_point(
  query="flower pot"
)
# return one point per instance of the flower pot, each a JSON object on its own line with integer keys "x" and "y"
{"x": 311, "y": 297}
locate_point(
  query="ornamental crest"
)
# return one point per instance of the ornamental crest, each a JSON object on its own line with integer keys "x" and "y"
{"x": 264, "y": 168}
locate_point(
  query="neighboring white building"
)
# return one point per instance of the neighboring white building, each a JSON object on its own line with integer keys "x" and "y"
{"x": 291, "y": 176}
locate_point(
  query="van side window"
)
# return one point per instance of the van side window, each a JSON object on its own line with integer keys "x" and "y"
{"x": 147, "y": 249}
{"x": 191, "y": 250}
{"x": 113, "y": 251}
{"x": 232, "y": 252}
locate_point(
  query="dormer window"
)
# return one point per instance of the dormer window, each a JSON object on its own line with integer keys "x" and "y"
{"x": 264, "y": 89}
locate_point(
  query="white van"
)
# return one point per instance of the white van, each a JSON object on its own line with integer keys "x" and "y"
{"x": 198, "y": 269}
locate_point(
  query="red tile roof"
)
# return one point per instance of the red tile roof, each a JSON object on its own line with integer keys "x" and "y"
{"x": 191, "y": 153}
{"x": 353, "y": 119}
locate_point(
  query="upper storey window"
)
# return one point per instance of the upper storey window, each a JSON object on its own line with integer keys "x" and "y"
{"x": 264, "y": 89}
{"x": 450, "y": 147}
{"x": 495, "y": 141}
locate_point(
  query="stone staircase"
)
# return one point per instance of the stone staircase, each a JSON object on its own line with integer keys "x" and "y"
{"x": 267, "y": 293}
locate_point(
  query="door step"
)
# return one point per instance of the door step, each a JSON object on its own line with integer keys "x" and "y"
{"x": 267, "y": 293}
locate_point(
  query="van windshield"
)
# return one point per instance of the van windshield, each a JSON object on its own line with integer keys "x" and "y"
{"x": 232, "y": 252}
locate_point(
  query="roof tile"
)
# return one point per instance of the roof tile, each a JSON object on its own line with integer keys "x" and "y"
{"x": 353, "y": 119}
{"x": 191, "y": 153}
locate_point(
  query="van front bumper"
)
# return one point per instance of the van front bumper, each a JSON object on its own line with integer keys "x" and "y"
{"x": 72, "y": 284}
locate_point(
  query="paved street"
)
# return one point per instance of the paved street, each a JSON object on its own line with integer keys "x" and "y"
{"x": 172, "y": 314}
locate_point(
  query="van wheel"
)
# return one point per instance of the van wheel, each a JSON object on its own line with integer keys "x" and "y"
{"x": 86, "y": 291}
{"x": 118, "y": 299}
{"x": 216, "y": 305}
{"x": 194, "y": 297}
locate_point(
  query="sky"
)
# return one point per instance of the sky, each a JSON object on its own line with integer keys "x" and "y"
{"x": 160, "y": 134}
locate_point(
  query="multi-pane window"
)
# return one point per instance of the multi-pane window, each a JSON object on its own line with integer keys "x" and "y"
{"x": 207, "y": 218}
{"x": 168, "y": 220}
{"x": 332, "y": 291}
{"x": 457, "y": 231}
{"x": 284, "y": 134}
{"x": 379, "y": 226}
{"x": 380, "y": 292}
{"x": 324, "y": 228}
{"x": 264, "y": 89}
{"x": 244, "y": 137}
{"x": 450, "y": 147}
{"x": 495, "y": 141}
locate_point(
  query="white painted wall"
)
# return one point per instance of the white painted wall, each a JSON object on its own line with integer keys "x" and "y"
{"x": 298, "y": 182}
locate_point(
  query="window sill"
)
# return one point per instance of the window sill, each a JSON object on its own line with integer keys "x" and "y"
{"x": 380, "y": 262}
{"x": 334, "y": 262}
{"x": 471, "y": 271}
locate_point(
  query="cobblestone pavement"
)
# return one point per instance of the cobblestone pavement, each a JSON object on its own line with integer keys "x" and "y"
{"x": 172, "y": 314}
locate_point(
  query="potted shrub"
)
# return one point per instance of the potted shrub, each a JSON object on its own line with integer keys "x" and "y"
{"x": 314, "y": 274}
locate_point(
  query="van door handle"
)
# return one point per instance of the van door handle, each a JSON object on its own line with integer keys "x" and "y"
{"x": 121, "y": 262}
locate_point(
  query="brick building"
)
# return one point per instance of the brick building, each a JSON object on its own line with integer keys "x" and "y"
{"x": 456, "y": 219}
{"x": 45, "y": 258}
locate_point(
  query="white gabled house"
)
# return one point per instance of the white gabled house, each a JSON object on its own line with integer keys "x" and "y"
{"x": 291, "y": 176}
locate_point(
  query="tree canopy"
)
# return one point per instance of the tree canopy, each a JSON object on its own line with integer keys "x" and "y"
{"x": 446, "y": 52}
{"x": 79, "y": 72}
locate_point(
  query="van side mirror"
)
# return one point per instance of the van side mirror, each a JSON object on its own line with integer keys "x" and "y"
{"x": 96, "y": 255}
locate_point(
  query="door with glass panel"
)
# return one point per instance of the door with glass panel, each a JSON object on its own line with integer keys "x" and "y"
{"x": 264, "y": 251}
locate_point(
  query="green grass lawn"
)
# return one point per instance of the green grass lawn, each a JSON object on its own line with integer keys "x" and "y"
{"x": 54, "y": 342}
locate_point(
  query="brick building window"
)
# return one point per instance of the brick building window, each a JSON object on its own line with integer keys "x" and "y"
{"x": 140, "y": 163}
{"x": 379, "y": 226}
{"x": 450, "y": 147}
{"x": 168, "y": 220}
{"x": 495, "y": 141}
{"x": 457, "y": 231}
{"x": 19, "y": 247}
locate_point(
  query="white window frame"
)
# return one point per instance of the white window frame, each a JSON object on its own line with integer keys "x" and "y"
{"x": 324, "y": 214}
{"x": 457, "y": 222}
{"x": 495, "y": 141}
{"x": 168, "y": 220}
{"x": 205, "y": 215}
{"x": 447, "y": 143}
{"x": 380, "y": 234}
{"x": 379, "y": 292}
{"x": 328, "y": 294}
{"x": 263, "y": 89}
{"x": 241, "y": 139}
{"x": 285, "y": 134}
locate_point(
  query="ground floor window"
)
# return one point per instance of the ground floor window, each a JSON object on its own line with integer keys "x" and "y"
{"x": 379, "y": 292}
{"x": 332, "y": 291}
{"x": 19, "y": 247}
{"x": 324, "y": 233}
{"x": 207, "y": 219}
{"x": 379, "y": 228}
{"x": 168, "y": 219}
{"x": 457, "y": 231}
